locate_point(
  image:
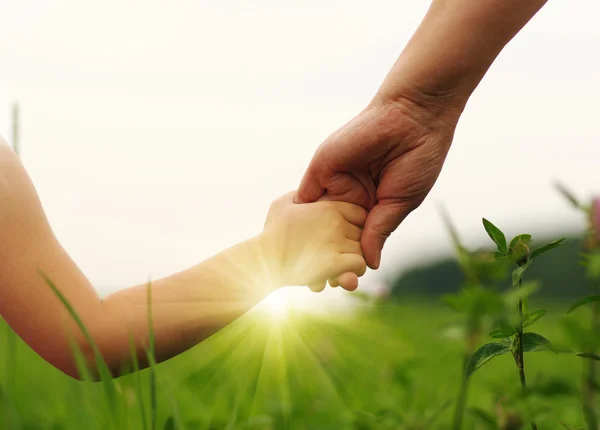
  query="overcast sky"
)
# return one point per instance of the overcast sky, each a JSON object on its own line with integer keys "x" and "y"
{"x": 158, "y": 133}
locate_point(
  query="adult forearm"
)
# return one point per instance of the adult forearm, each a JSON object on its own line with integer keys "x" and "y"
{"x": 454, "y": 46}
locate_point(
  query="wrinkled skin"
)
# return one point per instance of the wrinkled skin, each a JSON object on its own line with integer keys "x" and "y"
{"x": 386, "y": 160}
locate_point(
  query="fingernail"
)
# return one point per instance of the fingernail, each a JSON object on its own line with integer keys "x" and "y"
{"x": 377, "y": 260}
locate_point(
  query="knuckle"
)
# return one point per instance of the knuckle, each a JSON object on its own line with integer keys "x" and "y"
{"x": 336, "y": 222}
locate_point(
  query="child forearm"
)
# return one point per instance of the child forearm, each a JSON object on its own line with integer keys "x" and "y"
{"x": 299, "y": 245}
{"x": 187, "y": 307}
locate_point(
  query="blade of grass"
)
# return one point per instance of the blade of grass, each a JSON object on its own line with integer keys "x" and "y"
{"x": 12, "y": 418}
{"x": 86, "y": 377}
{"x": 138, "y": 383}
{"x": 151, "y": 360}
{"x": 105, "y": 375}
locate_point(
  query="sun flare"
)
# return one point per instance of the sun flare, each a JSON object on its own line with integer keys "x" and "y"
{"x": 280, "y": 303}
{"x": 277, "y": 303}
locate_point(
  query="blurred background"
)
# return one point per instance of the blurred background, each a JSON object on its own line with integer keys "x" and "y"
{"x": 158, "y": 134}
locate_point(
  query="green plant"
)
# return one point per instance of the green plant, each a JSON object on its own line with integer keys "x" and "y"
{"x": 591, "y": 259}
{"x": 511, "y": 333}
{"x": 475, "y": 302}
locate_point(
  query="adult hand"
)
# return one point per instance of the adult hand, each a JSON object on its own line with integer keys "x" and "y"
{"x": 388, "y": 157}
{"x": 386, "y": 160}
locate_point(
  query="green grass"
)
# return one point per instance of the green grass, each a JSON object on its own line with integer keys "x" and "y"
{"x": 387, "y": 367}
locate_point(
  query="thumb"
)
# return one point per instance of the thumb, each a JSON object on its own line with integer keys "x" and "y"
{"x": 309, "y": 190}
{"x": 381, "y": 222}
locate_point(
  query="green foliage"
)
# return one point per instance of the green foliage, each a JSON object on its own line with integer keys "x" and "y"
{"x": 151, "y": 355}
{"x": 502, "y": 333}
{"x": 476, "y": 301}
{"x": 558, "y": 271}
{"x": 484, "y": 354}
{"x": 513, "y": 295}
{"x": 569, "y": 196}
{"x": 518, "y": 273}
{"x": 588, "y": 355}
{"x": 591, "y": 261}
{"x": 537, "y": 252}
{"x": 496, "y": 235}
{"x": 169, "y": 424}
{"x": 105, "y": 373}
{"x": 386, "y": 369}
{"x": 584, "y": 301}
{"x": 532, "y": 317}
{"x": 523, "y": 238}
{"x": 533, "y": 342}
{"x": 484, "y": 417}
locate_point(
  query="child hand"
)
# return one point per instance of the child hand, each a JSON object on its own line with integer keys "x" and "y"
{"x": 311, "y": 243}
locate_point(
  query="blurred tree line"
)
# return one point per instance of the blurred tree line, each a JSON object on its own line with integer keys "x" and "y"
{"x": 560, "y": 272}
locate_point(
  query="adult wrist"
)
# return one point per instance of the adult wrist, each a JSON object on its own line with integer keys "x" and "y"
{"x": 431, "y": 101}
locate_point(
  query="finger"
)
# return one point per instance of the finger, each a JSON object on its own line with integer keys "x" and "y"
{"x": 348, "y": 281}
{"x": 334, "y": 283}
{"x": 309, "y": 190}
{"x": 354, "y": 263}
{"x": 354, "y": 214}
{"x": 383, "y": 219}
{"x": 350, "y": 247}
{"x": 352, "y": 232}
{"x": 317, "y": 287}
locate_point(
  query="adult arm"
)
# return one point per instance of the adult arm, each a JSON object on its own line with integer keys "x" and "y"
{"x": 389, "y": 156}
{"x": 452, "y": 49}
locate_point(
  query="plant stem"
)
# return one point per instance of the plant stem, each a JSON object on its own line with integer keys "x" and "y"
{"x": 459, "y": 411}
{"x": 519, "y": 354}
{"x": 589, "y": 383}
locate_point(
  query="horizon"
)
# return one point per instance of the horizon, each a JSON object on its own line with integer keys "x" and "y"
{"x": 127, "y": 133}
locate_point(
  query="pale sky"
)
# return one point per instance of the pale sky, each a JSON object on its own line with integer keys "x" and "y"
{"x": 158, "y": 133}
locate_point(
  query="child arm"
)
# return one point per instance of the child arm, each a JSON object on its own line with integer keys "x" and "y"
{"x": 187, "y": 307}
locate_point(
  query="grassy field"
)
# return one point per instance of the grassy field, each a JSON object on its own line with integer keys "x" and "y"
{"x": 388, "y": 366}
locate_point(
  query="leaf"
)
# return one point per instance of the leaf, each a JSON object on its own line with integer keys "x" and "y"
{"x": 578, "y": 333}
{"x": 500, "y": 256}
{"x": 450, "y": 228}
{"x": 458, "y": 302}
{"x": 547, "y": 248}
{"x": 151, "y": 354}
{"x": 434, "y": 416}
{"x": 484, "y": 417}
{"x": 533, "y": 316}
{"x": 501, "y": 333}
{"x": 106, "y": 377}
{"x": 512, "y": 296}
{"x": 518, "y": 273}
{"x": 567, "y": 194}
{"x": 485, "y": 354}
{"x": 496, "y": 235}
{"x": 554, "y": 387}
{"x": 170, "y": 424}
{"x": 584, "y": 301}
{"x": 525, "y": 238}
{"x": 533, "y": 342}
{"x": 588, "y": 355}
{"x": 593, "y": 265}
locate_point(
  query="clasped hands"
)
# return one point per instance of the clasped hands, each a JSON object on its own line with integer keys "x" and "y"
{"x": 362, "y": 182}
